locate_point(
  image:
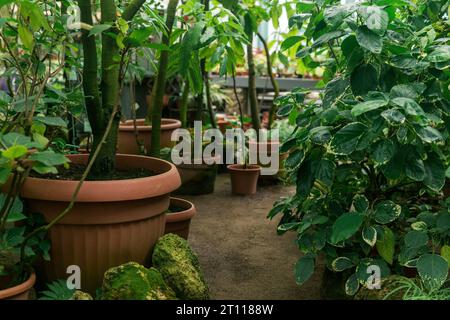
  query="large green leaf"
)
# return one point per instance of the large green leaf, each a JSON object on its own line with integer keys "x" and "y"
{"x": 429, "y": 134}
{"x": 369, "y": 235}
{"x": 352, "y": 285}
{"x": 367, "y": 106}
{"x": 383, "y": 151}
{"x": 304, "y": 269}
{"x": 440, "y": 54}
{"x": 377, "y": 20}
{"x": 346, "y": 226}
{"x": 413, "y": 164}
{"x": 409, "y": 105}
{"x": 341, "y": 263}
{"x": 369, "y": 40}
{"x": 325, "y": 171}
{"x": 290, "y": 42}
{"x": 415, "y": 239}
{"x": 433, "y": 269}
{"x": 325, "y": 38}
{"x": 364, "y": 79}
{"x": 387, "y": 211}
{"x": 393, "y": 116}
{"x": 386, "y": 246}
{"x": 49, "y": 158}
{"x": 404, "y": 91}
{"x": 346, "y": 139}
{"x": 434, "y": 172}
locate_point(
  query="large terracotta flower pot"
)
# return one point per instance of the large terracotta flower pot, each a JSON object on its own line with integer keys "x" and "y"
{"x": 112, "y": 222}
{"x": 197, "y": 179}
{"x": 179, "y": 222}
{"x": 127, "y": 139}
{"x": 244, "y": 181}
{"x": 19, "y": 292}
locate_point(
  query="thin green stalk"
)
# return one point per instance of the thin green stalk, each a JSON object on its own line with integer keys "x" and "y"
{"x": 155, "y": 110}
{"x": 276, "y": 87}
{"x": 184, "y": 105}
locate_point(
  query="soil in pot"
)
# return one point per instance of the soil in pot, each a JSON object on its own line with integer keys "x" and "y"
{"x": 127, "y": 143}
{"x": 178, "y": 217}
{"x": 18, "y": 292}
{"x": 244, "y": 179}
{"x": 112, "y": 221}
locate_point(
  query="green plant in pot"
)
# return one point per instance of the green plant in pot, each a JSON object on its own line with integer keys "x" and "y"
{"x": 28, "y": 122}
{"x": 101, "y": 192}
{"x": 372, "y": 149}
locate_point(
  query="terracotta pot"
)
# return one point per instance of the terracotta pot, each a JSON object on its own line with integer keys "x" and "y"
{"x": 197, "y": 179}
{"x": 223, "y": 124}
{"x": 19, "y": 292}
{"x": 180, "y": 222}
{"x": 244, "y": 181}
{"x": 112, "y": 222}
{"x": 127, "y": 139}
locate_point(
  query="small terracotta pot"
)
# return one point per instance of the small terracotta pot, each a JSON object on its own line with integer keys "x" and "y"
{"x": 127, "y": 139}
{"x": 111, "y": 223}
{"x": 244, "y": 181}
{"x": 180, "y": 222}
{"x": 19, "y": 292}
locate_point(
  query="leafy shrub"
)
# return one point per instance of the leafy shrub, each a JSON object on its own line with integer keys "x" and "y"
{"x": 373, "y": 149}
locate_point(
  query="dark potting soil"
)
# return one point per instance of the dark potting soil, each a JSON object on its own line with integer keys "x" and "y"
{"x": 173, "y": 209}
{"x": 75, "y": 172}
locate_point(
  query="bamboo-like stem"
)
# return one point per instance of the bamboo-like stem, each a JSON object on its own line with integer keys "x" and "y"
{"x": 155, "y": 108}
{"x": 184, "y": 105}
{"x": 276, "y": 87}
{"x": 241, "y": 113}
{"x": 253, "y": 98}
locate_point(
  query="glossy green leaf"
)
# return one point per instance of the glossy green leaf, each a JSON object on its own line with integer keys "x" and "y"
{"x": 369, "y": 40}
{"x": 386, "y": 246}
{"x": 346, "y": 226}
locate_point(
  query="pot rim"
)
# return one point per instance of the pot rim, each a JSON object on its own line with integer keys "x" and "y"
{"x": 239, "y": 168}
{"x": 107, "y": 190}
{"x": 21, "y": 288}
{"x": 186, "y": 214}
{"x": 166, "y": 124}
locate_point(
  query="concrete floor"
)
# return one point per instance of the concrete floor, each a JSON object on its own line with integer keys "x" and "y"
{"x": 240, "y": 253}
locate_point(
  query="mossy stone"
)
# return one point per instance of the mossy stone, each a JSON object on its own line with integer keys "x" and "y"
{"x": 180, "y": 268}
{"x": 80, "y": 295}
{"x": 131, "y": 281}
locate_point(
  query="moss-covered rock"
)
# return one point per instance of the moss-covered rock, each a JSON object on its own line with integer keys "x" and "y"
{"x": 179, "y": 266}
{"x": 80, "y": 295}
{"x": 131, "y": 281}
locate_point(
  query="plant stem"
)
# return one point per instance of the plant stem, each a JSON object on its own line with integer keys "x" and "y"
{"x": 184, "y": 105}
{"x": 276, "y": 87}
{"x": 253, "y": 98}
{"x": 155, "y": 110}
{"x": 241, "y": 114}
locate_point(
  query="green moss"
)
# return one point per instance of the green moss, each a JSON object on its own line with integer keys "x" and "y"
{"x": 131, "y": 281}
{"x": 180, "y": 268}
{"x": 80, "y": 295}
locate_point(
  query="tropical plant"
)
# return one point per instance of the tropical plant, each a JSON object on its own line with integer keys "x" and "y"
{"x": 32, "y": 49}
{"x": 119, "y": 33}
{"x": 374, "y": 147}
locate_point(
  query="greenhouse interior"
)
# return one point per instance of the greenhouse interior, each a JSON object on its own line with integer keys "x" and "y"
{"x": 214, "y": 150}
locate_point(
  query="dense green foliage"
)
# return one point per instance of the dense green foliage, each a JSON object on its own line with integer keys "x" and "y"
{"x": 369, "y": 158}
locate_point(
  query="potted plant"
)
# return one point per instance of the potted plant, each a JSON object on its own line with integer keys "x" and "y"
{"x": 126, "y": 196}
{"x": 244, "y": 177}
{"x": 178, "y": 217}
{"x": 367, "y": 159}
{"x": 136, "y": 132}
